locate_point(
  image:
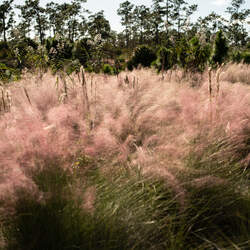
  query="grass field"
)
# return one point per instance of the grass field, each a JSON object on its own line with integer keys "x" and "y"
{"x": 134, "y": 161}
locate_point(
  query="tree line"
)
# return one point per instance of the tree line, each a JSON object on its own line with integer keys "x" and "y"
{"x": 70, "y": 32}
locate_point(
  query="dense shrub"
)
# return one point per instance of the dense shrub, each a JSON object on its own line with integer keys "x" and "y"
{"x": 165, "y": 59}
{"x": 59, "y": 48}
{"x": 72, "y": 66}
{"x": 198, "y": 55}
{"x": 8, "y": 73}
{"x": 25, "y": 51}
{"x": 236, "y": 56}
{"x": 4, "y": 50}
{"x": 130, "y": 65}
{"x": 246, "y": 57}
{"x": 144, "y": 56}
{"x": 108, "y": 69}
{"x": 240, "y": 57}
{"x": 59, "y": 52}
{"x": 182, "y": 48}
{"x": 120, "y": 65}
{"x": 81, "y": 51}
{"x": 193, "y": 55}
{"x": 89, "y": 68}
{"x": 220, "y": 49}
{"x": 25, "y": 42}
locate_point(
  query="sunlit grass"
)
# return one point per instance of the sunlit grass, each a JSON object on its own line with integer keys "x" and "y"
{"x": 127, "y": 162}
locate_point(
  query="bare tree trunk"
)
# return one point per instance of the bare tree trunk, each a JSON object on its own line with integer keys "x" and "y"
{"x": 4, "y": 29}
{"x": 40, "y": 29}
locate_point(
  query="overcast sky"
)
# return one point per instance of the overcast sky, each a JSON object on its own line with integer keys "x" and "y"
{"x": 110, "y": 7}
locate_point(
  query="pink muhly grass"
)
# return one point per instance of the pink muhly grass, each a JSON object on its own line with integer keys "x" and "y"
{"x": 89, "y": 199}
{"x": 103, "y": 144}
{"x": 237, "y": 73}
{"x": 171, "y": 181}
{"x": 207, "y": 181}
{"x": 150, "y": 124}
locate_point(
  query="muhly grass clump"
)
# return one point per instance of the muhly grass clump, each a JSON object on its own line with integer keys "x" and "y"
{"x": 130, "y": 161}
{"x": 236, "y": 73}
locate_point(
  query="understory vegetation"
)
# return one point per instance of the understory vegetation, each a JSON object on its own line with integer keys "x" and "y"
{"x": 134, "y": 161}
{"x": 63, "y": 37}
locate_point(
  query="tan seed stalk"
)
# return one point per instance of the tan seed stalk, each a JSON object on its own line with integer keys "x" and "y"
{"x": 27, "y": 95}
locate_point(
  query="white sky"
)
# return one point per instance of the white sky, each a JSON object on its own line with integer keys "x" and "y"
{"x": 110, "y": 7}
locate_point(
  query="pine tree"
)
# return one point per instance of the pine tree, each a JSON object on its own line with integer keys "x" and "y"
{"x": 220, "y": 49}
{"x": 141, "y": 19}
{"x": 157, "y": 19}
{"x": 237, "y": 30}
{"x": 98, "y": 24}
{"x": 32, "y": 11}
{"x": 6, "y": 17}
{"x": 125, "y": 11}
{"x": 181, "y": 13}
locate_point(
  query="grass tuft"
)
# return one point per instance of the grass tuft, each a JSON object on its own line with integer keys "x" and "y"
{"x": 127, "y": 162}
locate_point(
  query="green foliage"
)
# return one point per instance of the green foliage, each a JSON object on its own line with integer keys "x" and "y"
{"x": 29, "y": 42}
{"x": 143, "y": 208}
{"x": 91, "y": 42}
{"x": 223, "y": 203}
{"x": 241, "y": 56}
{"x": 117, "y": 52}
{"x": 81, "y": 51}
{"x": 237, "y": 31}
{"x": 8, "y": 64}
{"x": 39, "y": 59}
{"x": 126, "y": 213}
{"x": 8, "y": 74}
{"x": 89, "y": 68}
{"x": 97, "y": 53}
{"x": 3, "y": 45}
{"x": 59, "y": 52}
{"x": 4, "y": 50}
{"x": 72, "y": 66}
{"x": 165, "y": 59}
{"x": 59, "y": 48}
{"x": 198, "y": 55}
{"x": 130, "y": 65}
{"x": 25, "y": 51}
{"x": 144, "y": 56}
{"x": 57, "y": 221}
{"x": 129, "y": 210}
{"x": 246, "y": 57}
{"x": 98, "y": 24}
{"x": 125, "y": 11}
{"x": 220, "y": 49}
{"x": 182, "y": 52}
{"x": 120, "y": 65}
{"x": 236, "y": 56}
{"x": 6, "y": 17}
{"x": 190, "y": 55}
{"x": 108, "y": 69}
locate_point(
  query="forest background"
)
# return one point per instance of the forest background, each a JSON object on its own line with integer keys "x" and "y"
{"x": 163, "y": 34}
